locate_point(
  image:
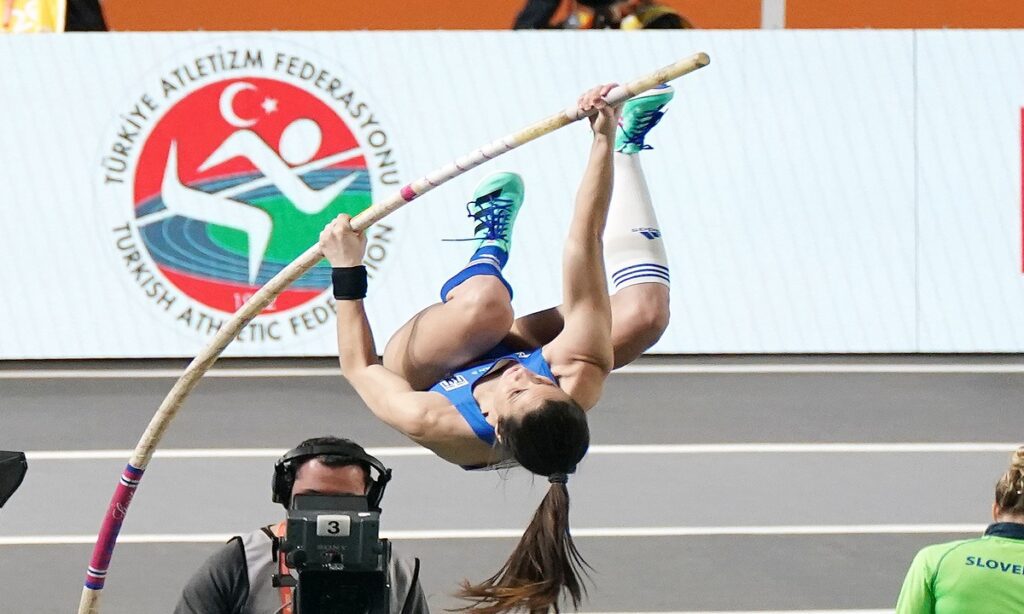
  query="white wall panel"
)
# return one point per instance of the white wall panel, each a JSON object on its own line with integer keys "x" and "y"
{"x": 970, "y": 97}
{"x": 800, "y": 213}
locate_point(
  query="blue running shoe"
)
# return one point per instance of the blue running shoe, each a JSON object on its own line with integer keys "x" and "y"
{"x": 639, "y": 115}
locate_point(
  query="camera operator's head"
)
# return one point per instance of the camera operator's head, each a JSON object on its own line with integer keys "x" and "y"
{"x": 329, "y": 466}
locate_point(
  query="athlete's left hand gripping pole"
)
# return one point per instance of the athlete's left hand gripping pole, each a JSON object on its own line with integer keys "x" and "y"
{"x": 132, "y": 475}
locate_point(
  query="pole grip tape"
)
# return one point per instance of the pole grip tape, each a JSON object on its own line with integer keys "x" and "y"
{"x": 107, "y": 538}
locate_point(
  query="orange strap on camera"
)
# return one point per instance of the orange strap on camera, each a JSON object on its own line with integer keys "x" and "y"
{"x": 286, "y": 592}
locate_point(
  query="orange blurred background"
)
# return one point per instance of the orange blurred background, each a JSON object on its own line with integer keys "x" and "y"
{"x": 499, "y": 14}
{"x": 905, "y": 14}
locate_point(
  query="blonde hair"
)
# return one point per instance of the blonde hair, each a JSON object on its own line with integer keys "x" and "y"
{"x": 1010, "y": 487}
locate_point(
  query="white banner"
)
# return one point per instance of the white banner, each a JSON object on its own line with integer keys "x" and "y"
{"x": 818, "y": 191}
{"x": 970, "y": 114}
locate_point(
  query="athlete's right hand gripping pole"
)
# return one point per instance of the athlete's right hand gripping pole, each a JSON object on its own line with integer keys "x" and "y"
{"x": 132, "y": 475}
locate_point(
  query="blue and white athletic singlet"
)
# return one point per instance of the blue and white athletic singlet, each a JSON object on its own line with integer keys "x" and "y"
{"x": 458, "y": 388}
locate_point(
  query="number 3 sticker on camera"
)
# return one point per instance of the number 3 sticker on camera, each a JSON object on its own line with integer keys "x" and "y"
{"x": 333, "y": 525}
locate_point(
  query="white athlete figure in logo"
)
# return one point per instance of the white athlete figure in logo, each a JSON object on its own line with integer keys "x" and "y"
{"x": 300, "y": 141}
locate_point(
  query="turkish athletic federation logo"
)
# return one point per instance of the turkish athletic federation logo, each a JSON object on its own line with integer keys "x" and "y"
{"x": 226, "y": 170}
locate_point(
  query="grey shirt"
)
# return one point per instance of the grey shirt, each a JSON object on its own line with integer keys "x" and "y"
{"x": 225, "y": 583}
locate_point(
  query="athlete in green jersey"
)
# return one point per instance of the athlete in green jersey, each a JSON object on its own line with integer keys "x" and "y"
{"x": 975, "y": 576}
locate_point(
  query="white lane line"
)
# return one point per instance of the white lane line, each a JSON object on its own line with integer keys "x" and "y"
{"x": 710, "y": 448}
{"x": 759, "y": 612}
{"x": 152, "y": 538}
{"x": 808, "y": 368}
{"x": 870, "y": 529}
{"x": 789, "y": 448}
{"x": 867, "y": 529}
{"x": 164, "y": 373}
{"x": 642, "y": 369}
{"x": 61, "y": 455}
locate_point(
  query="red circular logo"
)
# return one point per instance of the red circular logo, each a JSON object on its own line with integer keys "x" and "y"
{"x": 236, "y": 180}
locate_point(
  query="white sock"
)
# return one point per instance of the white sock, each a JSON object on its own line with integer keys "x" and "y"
{"x": 634, "y": 252}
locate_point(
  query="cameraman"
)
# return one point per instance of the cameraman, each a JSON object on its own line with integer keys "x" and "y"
{"x": 237, "y": 578}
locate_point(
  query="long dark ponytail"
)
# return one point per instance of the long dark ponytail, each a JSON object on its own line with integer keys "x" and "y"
{"x": 548, "y": 441}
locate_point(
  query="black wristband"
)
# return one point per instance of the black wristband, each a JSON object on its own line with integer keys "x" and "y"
{"x": 349, "y": 282}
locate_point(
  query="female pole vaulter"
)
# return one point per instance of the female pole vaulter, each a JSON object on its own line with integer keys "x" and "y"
{"x": 480, "y": 388}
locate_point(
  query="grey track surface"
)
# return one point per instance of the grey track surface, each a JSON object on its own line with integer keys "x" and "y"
{"x": 694, "y": 573}
{"x": 257, "y": 412}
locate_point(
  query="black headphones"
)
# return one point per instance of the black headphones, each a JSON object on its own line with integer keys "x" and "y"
{"x": 287, "y": 465}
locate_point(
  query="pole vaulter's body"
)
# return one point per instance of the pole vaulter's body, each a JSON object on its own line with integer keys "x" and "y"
{"x": 480, "y": 388}
{"x": 131, "y": 476}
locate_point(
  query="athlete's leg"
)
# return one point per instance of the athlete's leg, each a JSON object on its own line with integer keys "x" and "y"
{"x": 635, "y": 258}
{"x": 445, "y": 336}
{"x": 634, "y": 250}
{"x": 639, "y": 317}
{"x": 476, "y": 309}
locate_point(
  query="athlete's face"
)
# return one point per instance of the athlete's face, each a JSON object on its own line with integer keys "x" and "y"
{"x": 522, "y": 390}
{"x": 316, "y": 478}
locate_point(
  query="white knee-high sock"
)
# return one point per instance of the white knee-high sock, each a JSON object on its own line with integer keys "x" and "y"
{"x": 634, "y": 251}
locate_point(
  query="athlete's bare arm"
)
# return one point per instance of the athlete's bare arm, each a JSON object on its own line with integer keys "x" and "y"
{"x": 581, "y": 355}
{"x": 418, "y": 415}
